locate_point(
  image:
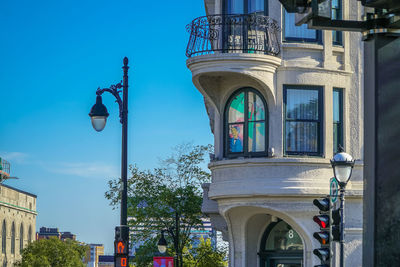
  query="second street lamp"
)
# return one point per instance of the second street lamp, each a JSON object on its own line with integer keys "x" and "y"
{"x": 342, "y": 164}
{"x": 162, "y": 243}
{"x": 98, "y": 115}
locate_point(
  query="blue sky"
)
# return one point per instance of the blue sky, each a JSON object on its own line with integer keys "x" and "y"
{"x": 53, "y": 56}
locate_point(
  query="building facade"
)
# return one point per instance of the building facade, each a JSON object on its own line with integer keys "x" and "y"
{"x": 46, "y": 233}
{"x": 95, "y": 251}
{"x": 280, "y": 99}
{"x": 18, "y": 223}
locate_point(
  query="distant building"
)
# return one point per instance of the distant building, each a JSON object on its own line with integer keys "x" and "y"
{"x": 106, "y": 261}
{"x": 67, "y": 235}
{"x": 206, "y": 232}
{"x": 46, "y": 233}
{"x": 17, "y": 218}
{"x": 96, "y": 250}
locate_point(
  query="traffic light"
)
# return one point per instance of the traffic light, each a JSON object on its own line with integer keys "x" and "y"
{"x": 121, "y": 246}
{"x": 335, "y": 224}
{"x": 323, "y": 236}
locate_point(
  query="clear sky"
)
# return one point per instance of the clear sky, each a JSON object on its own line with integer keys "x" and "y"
{"x": 53, "y": 56}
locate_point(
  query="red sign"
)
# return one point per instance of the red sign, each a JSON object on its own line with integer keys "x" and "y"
{"x": 163, "y": 261}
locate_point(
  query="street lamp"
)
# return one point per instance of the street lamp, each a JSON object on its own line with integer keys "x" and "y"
{"x": 174, "y": 233}
{"x": 342, "y": 164}
{"x": 98, "y": 115}
{"x": 162, "y": 243}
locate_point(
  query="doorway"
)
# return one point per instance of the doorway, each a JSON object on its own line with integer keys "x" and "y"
{"x": 281, "y": 246}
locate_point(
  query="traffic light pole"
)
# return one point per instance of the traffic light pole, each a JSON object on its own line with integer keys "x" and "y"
{"x": 341, "y": 210}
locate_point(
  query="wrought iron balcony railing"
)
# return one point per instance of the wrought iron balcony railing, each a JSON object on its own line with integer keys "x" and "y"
{"x": 250, "y": 33}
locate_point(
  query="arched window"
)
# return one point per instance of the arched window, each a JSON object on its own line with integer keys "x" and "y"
{"x": 281, "y": 245}
{"x": 21, "y": 238}
{"x": 4, "y": 238}
{"x": 13, "y": 238}
{"x": 246, "y": 124}
{"x": 30, "y": 234}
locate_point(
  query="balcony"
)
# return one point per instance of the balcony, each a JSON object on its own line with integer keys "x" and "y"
{"x": 250, "y": 33}
{"x": 4, "y": 169}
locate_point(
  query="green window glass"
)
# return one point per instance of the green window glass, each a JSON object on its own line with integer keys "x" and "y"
{"x": 337, "y": 118}
{"x": 303, "y": 120}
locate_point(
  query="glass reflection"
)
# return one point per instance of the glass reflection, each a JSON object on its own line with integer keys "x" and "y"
{"x": 256, "y": 107}
{"x": 236, "y": 138}
{"x": 283, "y": 237}
{"x": 236, "y": 109}
{"x": 256, "y": 137}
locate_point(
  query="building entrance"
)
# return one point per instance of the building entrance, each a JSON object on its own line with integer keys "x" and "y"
{"x": 281, "y": 246}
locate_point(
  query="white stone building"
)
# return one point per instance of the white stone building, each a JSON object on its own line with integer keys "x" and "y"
{"x": 280, "y": 100}
{"x": 17, "y": 217}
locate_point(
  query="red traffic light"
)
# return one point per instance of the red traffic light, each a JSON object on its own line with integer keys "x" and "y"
{"x": 322, "y": 220}
{"x": 322, "y": 237}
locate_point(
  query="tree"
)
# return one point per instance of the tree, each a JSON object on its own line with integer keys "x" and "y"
{"x": 167, "y": 198}
{"x": 205, "y": 255}
{"x": 53, "y": 252}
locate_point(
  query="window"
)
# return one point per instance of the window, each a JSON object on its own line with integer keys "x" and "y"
{"x": 337, "y": 14}
{"x": 21, "y": 238}
{"x": 303, "y": 120}
{"x": 246, "y": 124}
{"x": 299, "y": 33}
{"x": 246, "y": 7}
{"x": 13, "y": 238}
{"x": 4, "y": 238}
{"x": 30, "y": 234}
{"x": 337, "y": 119}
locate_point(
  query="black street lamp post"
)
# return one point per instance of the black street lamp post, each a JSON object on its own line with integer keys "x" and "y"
{"x": 99, "y": 115}
{"x": 162, "y": 243}
{"x": 342, "y": 164}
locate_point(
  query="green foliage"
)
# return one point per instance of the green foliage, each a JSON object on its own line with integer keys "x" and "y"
{"x": 144, "y": 255}
{"x": 53, "y": 253}
{"x": 162, "y": 198}
{"x": 205, "y": 255}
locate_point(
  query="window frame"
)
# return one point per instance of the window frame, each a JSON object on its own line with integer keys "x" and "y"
{"x": 339, "y": 34}
{"x": 245, "y": 7}
{"x": 13, "y": 238}
{"x": 4, "y": 238}
{"x": 320, "y": 121}
{"x": 245, "y": 152}
{"x": 316, "y": 40}
{"x": 340, "y": 136}
{"x": 21, "y": 238}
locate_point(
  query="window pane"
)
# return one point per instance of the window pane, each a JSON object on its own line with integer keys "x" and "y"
{"x": 283, "y": 237}
{"x": 234, "y": 7}
{"x": 336, "y": 137}
{"x": 337, "y": 119}
{"x": 302, "y": 104}
{"x": 256, "y": 108}
{"x": 302, "y": 137}
{"x": 298, "y": 32}
{"x": 256, "y": 137}
{"x": 336, "y": 106}
{"x": 236, "y": 109}
{"x": 256, "y": 6}
{"x": 236, "y": 138}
